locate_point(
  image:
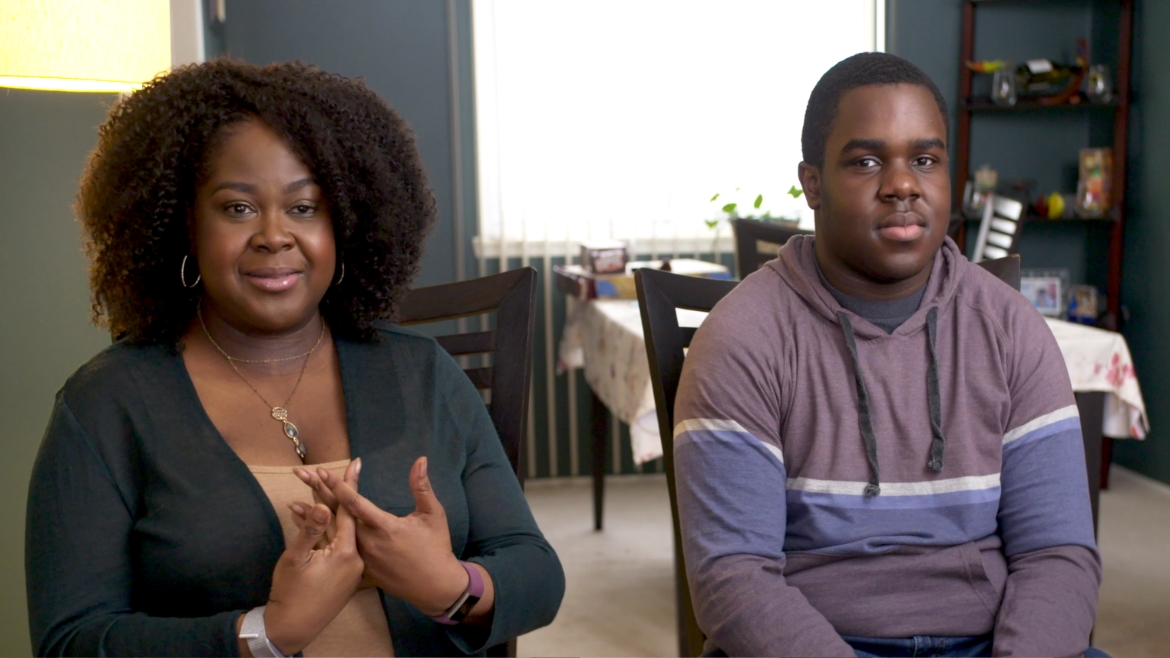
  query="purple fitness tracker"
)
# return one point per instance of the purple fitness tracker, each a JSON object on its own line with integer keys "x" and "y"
{"x": 467, "y": 600}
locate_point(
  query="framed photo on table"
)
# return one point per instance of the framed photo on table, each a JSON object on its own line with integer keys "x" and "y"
{"x": 1046, "y": 289}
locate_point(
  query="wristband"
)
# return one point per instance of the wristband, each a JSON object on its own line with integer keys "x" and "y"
{"x": 467, "y": 600}
{"x": 253, "y": 631}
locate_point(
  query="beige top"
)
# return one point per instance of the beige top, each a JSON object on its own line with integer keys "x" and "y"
{"x": 360, "y": 629}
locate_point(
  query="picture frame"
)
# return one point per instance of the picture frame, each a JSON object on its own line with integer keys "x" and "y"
{"x": 1046, "y": 289}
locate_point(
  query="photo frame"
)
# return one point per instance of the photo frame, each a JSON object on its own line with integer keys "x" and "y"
{"x": 1046, "y": 289}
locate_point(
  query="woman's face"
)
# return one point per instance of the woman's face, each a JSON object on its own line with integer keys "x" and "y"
{"x": 262, "y": 233}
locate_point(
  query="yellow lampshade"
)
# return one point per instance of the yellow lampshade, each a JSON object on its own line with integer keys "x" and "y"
{"x": 83, "y": 45}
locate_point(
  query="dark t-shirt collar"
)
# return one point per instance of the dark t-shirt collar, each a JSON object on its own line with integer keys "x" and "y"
{"x": 887, "y": 316}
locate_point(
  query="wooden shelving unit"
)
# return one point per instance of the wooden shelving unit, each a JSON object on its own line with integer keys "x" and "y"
{"x": 970, "y": 107}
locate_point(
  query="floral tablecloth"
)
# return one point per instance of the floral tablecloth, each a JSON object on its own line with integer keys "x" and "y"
{"x": 1099, "y": 360}
{"x": 605, "y": 338}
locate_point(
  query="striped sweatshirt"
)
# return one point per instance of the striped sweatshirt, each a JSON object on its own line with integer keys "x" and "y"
{"x": 794, "y": 536}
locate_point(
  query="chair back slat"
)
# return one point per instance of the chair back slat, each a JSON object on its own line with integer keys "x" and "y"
{"x": 479, "y": 342}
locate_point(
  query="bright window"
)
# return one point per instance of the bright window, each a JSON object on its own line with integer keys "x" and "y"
{"x": 621, "y": 118}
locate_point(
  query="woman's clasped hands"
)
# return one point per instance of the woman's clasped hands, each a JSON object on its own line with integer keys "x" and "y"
{"x": 314, "y": 578}
{"x": 408, "y": 557}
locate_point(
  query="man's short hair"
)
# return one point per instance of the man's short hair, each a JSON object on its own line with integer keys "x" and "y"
{"x": 856, "y": 71}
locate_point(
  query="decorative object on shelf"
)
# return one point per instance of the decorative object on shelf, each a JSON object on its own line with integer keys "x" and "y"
{"x": 1055, "y": 206}
{"x": 1099, "y": 87}
{"x": 1043, "y": 77}
{"x": 1093, "y": 188}
{"x": 1083, "y": 304}
{"x": 604, "y": 256}
{"x": 1045, "y": 289}
{"x": 975, "y": 193}
{"x": 1003, "y": 87}
{"x": 988, "y": 65}
{"x": 1042, "y": 80}
{"x": 1053, "y": 82}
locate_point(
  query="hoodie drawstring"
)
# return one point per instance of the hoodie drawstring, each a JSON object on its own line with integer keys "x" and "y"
{"x": 933, "y": 400}
{"x": 934, "y": 395}
{"x": 873, "y": 488}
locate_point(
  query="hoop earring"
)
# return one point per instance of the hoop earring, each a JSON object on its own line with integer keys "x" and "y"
{"x": 183, "y": 274}
{"x": 342, "y": 277}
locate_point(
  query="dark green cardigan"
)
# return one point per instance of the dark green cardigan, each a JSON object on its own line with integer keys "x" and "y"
{"x": 147, "y": 535}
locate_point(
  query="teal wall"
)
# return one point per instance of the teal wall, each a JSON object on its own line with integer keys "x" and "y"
{"x": 1043, "y": 147}
{"x": 44, "y": 322}
{"x": 1146, "y": 283}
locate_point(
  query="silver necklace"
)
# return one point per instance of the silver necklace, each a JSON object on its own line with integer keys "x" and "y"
{"x": 279, "y": 413}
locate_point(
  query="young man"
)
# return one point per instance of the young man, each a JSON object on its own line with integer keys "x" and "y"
{"x": 877, "y": 445}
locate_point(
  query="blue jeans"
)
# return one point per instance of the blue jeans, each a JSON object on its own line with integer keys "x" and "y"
{"x": 920, "y": 645}
{"x": 924, "y": 645}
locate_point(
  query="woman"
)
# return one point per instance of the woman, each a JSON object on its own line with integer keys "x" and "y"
{"x": 249, "y": 230}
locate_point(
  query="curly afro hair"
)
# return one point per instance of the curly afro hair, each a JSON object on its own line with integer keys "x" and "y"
{"x": 137, "y": 193}
{"x": 856, "y": 71}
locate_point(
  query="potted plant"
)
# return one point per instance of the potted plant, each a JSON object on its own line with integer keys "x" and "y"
{"x": 731, "y": 211}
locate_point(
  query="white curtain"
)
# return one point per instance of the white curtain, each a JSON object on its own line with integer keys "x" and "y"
{"x": 622, "y": 118}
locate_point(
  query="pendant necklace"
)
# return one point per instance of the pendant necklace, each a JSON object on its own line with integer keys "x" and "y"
{"x": 279, "y": 413}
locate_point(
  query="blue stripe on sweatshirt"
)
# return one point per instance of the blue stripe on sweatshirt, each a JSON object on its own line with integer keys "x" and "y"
{"x": 854, "y": 525}
{"x": 730, "y": 492}
{"x": 1045, "y": 498}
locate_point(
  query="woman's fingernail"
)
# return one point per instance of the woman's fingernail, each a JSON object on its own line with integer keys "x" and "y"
{"x": 298, "y": 508}
{"x": 320, "y": 515}
{"x": 303, "y": 474}
{"x": 357, "y": 470}
{"x": 423, "y": 469}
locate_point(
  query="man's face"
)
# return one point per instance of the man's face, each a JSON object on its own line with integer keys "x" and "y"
{"x": 883, "y": 196}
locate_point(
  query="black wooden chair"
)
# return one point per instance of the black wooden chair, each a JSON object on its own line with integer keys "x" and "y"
{"x": 512, "y": 296}
{"x": 757, "y": 242}
{"x": 999, "y": 230}
{"x": 659, "y": 295}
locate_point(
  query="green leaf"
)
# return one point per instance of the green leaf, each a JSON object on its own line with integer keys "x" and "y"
{"x": 729, "y": 208}
{"x": 759, "y": 201}
{"x": 715, "y": 197}
{"x": 795, "y": 192}
{"x": 711, "y": 223}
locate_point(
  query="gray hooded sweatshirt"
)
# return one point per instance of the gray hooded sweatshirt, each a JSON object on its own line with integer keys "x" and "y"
{"x": 835, "y": 479}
